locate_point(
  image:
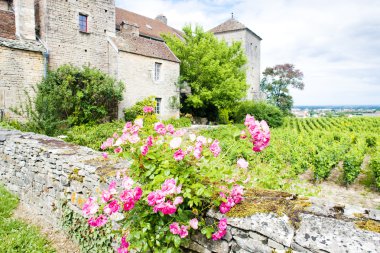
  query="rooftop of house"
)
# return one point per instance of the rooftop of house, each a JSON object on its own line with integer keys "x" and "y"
{"x": 145, "y": 46}
{"x": 148, "y": 27}
{"x": 232, "y": 25}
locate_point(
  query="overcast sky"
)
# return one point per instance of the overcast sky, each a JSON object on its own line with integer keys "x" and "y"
{"x": 335, "y": 43}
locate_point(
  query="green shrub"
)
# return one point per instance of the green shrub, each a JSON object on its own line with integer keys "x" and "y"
{"x": 178, "y": 123}
{"x": 261, "y": 110}
{"x": 72, "y": 96}
{"x": 223, "y": 116}
{"x": 131, "y": 113}
{"x": 93, "y": 136}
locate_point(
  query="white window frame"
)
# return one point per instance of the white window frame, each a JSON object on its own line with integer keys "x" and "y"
{"x": 157, "y": 71}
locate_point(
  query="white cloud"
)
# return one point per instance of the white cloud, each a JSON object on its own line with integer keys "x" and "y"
{"x": 335, "y": 43}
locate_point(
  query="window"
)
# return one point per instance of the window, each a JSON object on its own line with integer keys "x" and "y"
{"x": 83, "y": 23}
{"x": 158, "y": 105}
{"x": 157, "y": 71}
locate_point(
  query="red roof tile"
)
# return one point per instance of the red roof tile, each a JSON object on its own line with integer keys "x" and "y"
{"x": 144, "y": 46}
{"x": 148, "y": 27}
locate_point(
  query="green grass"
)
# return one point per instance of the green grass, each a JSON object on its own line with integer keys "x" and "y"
{"x": 16, "y": 236}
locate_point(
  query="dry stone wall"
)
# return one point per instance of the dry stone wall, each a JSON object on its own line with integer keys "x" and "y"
{"x": 43, "y": 171}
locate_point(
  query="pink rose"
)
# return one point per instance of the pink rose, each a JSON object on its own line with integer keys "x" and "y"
{"x": 129, "y": 205}
{"x": 174, "y": 228}
{"x": 183, "y": 232}
{"x": 179, "y": 155}
{"x": 112, "y": 187}
{"x": 178, "y": 201}
{"x": 111, "y": 208}
{"x": 215, "y": 149}
{"x": 144, "y": 150}
{"x": 90, "y": 207}
{"x": 127, "y": 183}
{"x": 175, "y": 142}
{"x": 149, "y": 141}
{"x": 169, "y": 187}
{"x": 105, "y": 155}
{"x": 222, "y": 224}
{"x": 160, "y": 128}
{"x": 148, "y": 109}
{"x": 194, "y": 223}
{"x": 118, "y": 150}
{"x": 106, "y": 196}
{"x": 218, "y": 235}
{"x": 98, "y": 222}
{"x": 170, "y": 128}
{"x": 242, "y": 163}
{"x": 124, "y": 245}
{"x": 137, "y": 192}
{"x": 127, "y": 195}
{"x": 139, "y": 122}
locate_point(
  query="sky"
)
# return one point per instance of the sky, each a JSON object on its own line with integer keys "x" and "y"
{"x": 335, "y": 43}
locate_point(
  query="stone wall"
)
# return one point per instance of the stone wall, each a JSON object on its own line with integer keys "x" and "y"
{"x": 137, "y": 72}
{"x": 58, "y": 26}
{"x": 21, "y": 68}
{"x": 44, "y": 171}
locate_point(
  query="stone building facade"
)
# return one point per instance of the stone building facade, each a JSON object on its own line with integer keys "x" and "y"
{"x": 232, "y": 30}
{"x": 37, "y": 35}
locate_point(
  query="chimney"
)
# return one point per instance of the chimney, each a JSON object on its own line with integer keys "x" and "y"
{"x": 129, "y": 29}
{"x": 25, "y": 19}
{"x": 162, "y": 18}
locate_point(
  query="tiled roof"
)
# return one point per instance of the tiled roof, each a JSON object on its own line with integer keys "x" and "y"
{"x": 231, "y": 25}
{"x": 7, "y": 25}
{"x": 148, "y": 27}
{"x": 146, "y": 47}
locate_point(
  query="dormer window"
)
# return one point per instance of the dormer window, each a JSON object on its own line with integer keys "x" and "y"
{"x": 83, "y": 24}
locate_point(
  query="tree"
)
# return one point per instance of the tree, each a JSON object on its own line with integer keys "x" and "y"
{"x": 213, "y": 70}
{"x": 276, "y": 82}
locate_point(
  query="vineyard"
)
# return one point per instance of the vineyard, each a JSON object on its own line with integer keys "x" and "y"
{"x": 317, "y": 145}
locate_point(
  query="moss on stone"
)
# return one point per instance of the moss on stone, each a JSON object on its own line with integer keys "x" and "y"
{"x": 369, "y": 225}
{"x": 74, "y": 175}
{"x": 266, "y": 201}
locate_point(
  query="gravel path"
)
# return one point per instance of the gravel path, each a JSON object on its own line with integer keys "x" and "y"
{"x": 59, "y": 240}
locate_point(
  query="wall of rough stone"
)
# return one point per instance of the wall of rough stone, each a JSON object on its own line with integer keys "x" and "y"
{"x": 44, "y": 171}
{"x": 58, "y": 26}
{"x": 21, "y": 68}
{"x": 138, "y": 71}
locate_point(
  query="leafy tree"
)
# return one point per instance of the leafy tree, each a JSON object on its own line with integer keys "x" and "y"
{"x": 213, "y": 70}
{"x": 276, "y": 82}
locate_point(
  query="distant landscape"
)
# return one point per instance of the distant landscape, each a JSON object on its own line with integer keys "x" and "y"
{"x": 336, "y": 110}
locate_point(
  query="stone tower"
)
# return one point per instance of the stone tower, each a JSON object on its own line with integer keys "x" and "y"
{"x": 232, "y": 30}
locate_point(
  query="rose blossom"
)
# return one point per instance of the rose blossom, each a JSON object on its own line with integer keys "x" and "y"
{"x": 183, "y": 232}
{"x": 179, "y": 155}
{"x": 178, "y": 201}
{"x": 118, "y": 150}
{"x": 139, "y": 122}
{"x": 170, "y": 128}
{"x": 137, "y": 193}
{"x": 106, "y": 196}
{"x": 160, "y": 128}
{"x": 112, "y": 207}
{"x": 127, "y": 183}
{"x": 242, "y": 163}
{"x": 175, "y": 142}
{"x": 219, "y": 235}
{"x": 123, "y": 246}
{"x": 148, "y": 109}
{"x": 112, "y": 187}
{"x": 222, "y": 224}
{"x": 174, "y": 228}
{"x": 149, "y": 141}
{"x": 144, "y": 150}
{"x": 105, "y": 155}
{"x": 215, "y": 149}
{"x": 97, "y": 222}
{"x": 90, "y": 207}
{"x": 194, "y": 223}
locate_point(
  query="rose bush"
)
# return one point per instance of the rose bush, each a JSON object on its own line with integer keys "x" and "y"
{"x": 172, "y": 180}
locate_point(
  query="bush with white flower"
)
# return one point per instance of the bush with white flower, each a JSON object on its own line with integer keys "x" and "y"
{"x": 172, "y": 180}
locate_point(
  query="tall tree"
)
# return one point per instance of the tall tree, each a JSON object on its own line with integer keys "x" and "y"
{"x": 213, "y": 70}
{"x": 276, "y": 83}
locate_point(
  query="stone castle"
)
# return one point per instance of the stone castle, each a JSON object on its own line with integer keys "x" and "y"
{"x": 38, "y": 35}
